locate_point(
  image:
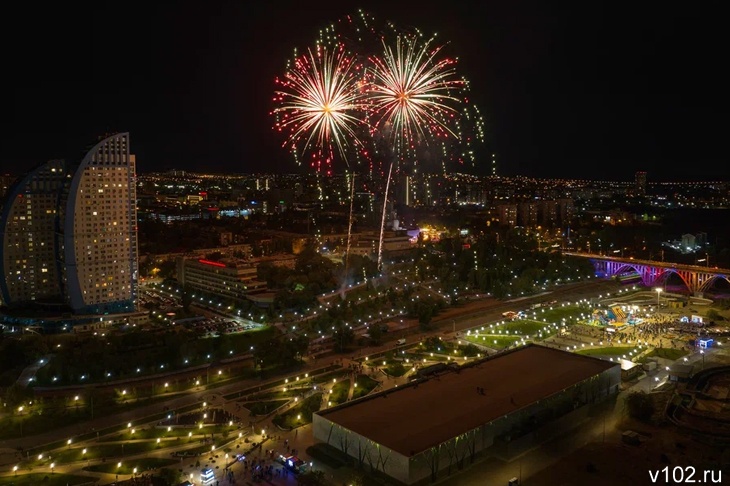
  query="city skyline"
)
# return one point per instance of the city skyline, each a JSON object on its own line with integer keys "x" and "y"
{"x": 585, "y": 93}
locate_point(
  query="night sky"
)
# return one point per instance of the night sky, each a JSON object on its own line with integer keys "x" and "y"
{"x": 590, "y": 90}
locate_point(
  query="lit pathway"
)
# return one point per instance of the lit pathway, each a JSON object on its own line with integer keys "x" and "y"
{"x": 31, "y": 370}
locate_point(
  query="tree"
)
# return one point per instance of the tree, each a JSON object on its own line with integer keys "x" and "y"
{"x": 640, "y": 405}
{"x": 343, "y": 337}
{"x": 16, "y": 394}
{"x": 170, "y": 476}
{"x": 357, "y": 479}
{"x": 376, "y": 333}
{"x": 214, "y": 256}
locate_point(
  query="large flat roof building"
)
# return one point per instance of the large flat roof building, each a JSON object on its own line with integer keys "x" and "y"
{"x": 411, "y": 429}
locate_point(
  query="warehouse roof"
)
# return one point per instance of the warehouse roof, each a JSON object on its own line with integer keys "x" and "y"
{"x": 413, "y": 418}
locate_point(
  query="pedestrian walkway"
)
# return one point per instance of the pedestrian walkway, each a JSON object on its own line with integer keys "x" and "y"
{"x": 30, "y": 371}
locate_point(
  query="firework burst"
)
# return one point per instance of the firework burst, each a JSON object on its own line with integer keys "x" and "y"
{"x": 372, "y": 92}
{"x": 319, "y": 103}
{"x": 413, "y": 94}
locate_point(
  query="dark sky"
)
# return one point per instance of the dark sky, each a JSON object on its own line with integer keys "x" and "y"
{"x": 591, "y": 90}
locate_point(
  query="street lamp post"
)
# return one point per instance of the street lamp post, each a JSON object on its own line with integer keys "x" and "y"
{"x": 20, "y": 412}
{"x": 702, "y": 352}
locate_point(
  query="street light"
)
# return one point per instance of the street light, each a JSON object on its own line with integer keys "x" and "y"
{"x": 20, "y": 412}
{"x": 658, "y": 291}
{"x": 53, "y": 464}
{"x": 702, "y": 352}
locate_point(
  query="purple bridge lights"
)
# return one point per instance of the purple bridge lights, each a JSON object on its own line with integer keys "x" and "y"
{"x": 696, "y": 278}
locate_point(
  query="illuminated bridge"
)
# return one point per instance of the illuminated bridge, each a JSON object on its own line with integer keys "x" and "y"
{"x": 695, "y": 277}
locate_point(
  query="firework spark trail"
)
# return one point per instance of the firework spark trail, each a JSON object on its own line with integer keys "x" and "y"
{"x": 411, "y": 99}
{"x": 349, "y": 234}
{"x": 382, "y": 220}
{"x": 319, "y": 103}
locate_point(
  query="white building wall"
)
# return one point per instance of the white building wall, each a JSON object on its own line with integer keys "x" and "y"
{"x": 363, "y": 450}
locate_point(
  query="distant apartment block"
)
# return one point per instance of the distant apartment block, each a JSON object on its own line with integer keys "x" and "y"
{"x": 230, "y": 278}
{"x": 395, "y": 244}
{"x": 640, "y": 183}
{"x": 550, "y": 213}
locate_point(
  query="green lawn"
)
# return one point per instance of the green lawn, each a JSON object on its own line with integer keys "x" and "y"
{"x": 571, "y": 313}
{"x": 273, "y": 390}
{"x": 142, "y": 464}
{"x": 339, "y": 392}
{"x": 363, "y": 385}
{"x": 279, "y": 393}
{"x": 668, "y": 353}
{"x": 113, "y": 450}
{"x": 46, "y": 479}
{"x": 419, "y": 357}
{"x": 264, "y": 407}
{"x": 397, "y": 368}
{"x": 10, "y": 426}
{"x": 328, "y": 377}
{"x": 522, "y": 327}
{"x": 494, "y": 342}
{"x": 204, "y": 449}
{"x": 426, "y": 347}
{"x": 300, "y": 414}
{"x": 162, "y": 432}
{"x": 609, "y": 351}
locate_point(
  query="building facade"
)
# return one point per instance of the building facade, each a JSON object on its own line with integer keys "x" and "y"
{"x": 28, "y": 224}
{"x": 227, "y": 279}
{"x": 69, "y": 233}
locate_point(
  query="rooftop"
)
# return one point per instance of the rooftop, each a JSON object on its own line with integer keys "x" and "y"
{"x": 413, "y": 418}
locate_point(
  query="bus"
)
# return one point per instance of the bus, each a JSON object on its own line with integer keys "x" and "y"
{"x": 207, "y": 476}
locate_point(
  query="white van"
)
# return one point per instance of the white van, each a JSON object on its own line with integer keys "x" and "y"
{"x": 400, "y": 342}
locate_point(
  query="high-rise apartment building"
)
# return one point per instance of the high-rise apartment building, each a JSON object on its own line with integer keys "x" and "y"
{"x": 640, "y": 182}
{"x": 69, "y": 233}
{"x": 29, "y": 229}
{"x": 6, "y": 180}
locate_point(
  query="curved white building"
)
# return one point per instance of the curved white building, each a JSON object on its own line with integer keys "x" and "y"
{"x": 78, "y": 242}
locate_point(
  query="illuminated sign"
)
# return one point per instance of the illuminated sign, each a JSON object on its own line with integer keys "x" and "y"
{"x": 208, "y": 262}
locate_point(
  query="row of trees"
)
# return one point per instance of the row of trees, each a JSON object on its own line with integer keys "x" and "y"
{"x": 120, "y": 354}
{"x": 502, "y": 264}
